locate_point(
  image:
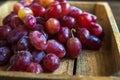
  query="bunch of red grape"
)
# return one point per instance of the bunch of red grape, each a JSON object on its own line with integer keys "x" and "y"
{"x": 37, "y": 33}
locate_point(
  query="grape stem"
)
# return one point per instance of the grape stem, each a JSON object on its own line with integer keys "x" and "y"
{"x": 73, "y": 31}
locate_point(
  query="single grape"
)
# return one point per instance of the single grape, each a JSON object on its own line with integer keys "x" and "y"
{"x": 16, "y": 34}
{"x": 56, "y": 48}
{"x": 23, "y": 43}
{"x": 38, "y": 40}
{"x": 5, "y": 55}
{"x": 83, "y": 35}
{"x": 65, "y": 8}
{"x": 17, "y": 7}
{"x": 21, "y": 59}
{"x": 30, "y": 21}
{"x": 41, "y": 20}
{"x": 96, "y": 30}
{"x": 22, "y": 13}
{"x": 74, "y": 12}
{"x": 16, "y": 22}
{"x": 34, "y": 68}
{"x": 93, "y": 43}
{"x": 7, "y": 19}
{"x": 51, "y": 62}
{"x": 53, "y": 11}
{"x": 64, "y": 34}
{"x": 74, "y": 47}
{"x": 52, "y": 26}
{"x": 37, "y": 9}
{"x": 4, "y": 31}
{"x": 84, "y": 20}
{"x": 68, "y": 21}
{"x": 45, "y": 3}
{"x": 38, "y": 56}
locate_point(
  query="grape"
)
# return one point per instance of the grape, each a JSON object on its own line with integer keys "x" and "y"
{"x": 40, "y": 20}
{"x": 34, "y": 68}
{"x": 84, "y": 20}
{"x": 21, "y": 59}
{"x": 22, "y": 13}
{"x": 65, "y": 8}
{"x": 68, "y": 21}
{"x": 39, "y": 27}
{"x": 96, "y": 29}
{"x": 74, "y": 47}
{"x": 5, "y": 55}
{"x": 53, "y": 11}
{"x": 83, "y": 35}
{"x": 75, "y": 12}
{"x": 51, "y": 62}
{"x": 17, "y": 7}
{"x": 23, "y": 43}
{"x": 93, "y": 43}
{"x": 16, "y": 34}
{"x": 64, "y": 34}
{"x": 4, "y": 31}
{"x": 30, "y": 21}
{"x": 26, "y": 2}
{"x": 16, "y": 22}
{"x": 7, "y": 19}
{"x": 45, "y": 3}
{"x": 38, "y": 40}
{"x": 56, "y": 48}
{"x": 38, "y": 56}
{"x": 37, "y": 9}
{"x": 52, "y": 26}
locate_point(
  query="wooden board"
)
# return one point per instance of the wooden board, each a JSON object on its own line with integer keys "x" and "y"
{"x": 106, "y": 61}
{"x": 91, "y": 65}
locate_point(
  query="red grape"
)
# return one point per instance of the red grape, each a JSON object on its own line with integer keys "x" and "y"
{"x": 65, "y": 8}
{"x": 30, "y": 21}
{"x": 96, "y": 29}
{"x": 68, "y": 21}
{"x": 4, "y": 31}
{"x": 64, "y": 34}
{"x": 74, "y": 47}
{"x": 83, "y": 35}
{"x": 38, "y": 40}
{"x": 56, "y": 48}
{"x": 51, "y": 62}
{"x": 16, "y": 34}
{"x": 23, "y": 43}
{"x": 75, "y": 12}
{"x": 5, "y": 55}
{"x": 17, "y": 7}
{"x": 93, "y": 43}
{"x": 21, "y": 60}
{"x": 52, "y": 26}
{"x": 53, "y": 11}
{"x": 37, "y": 9}
{"x": 34, "y": 68}
{"x": 38, "y": 56}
